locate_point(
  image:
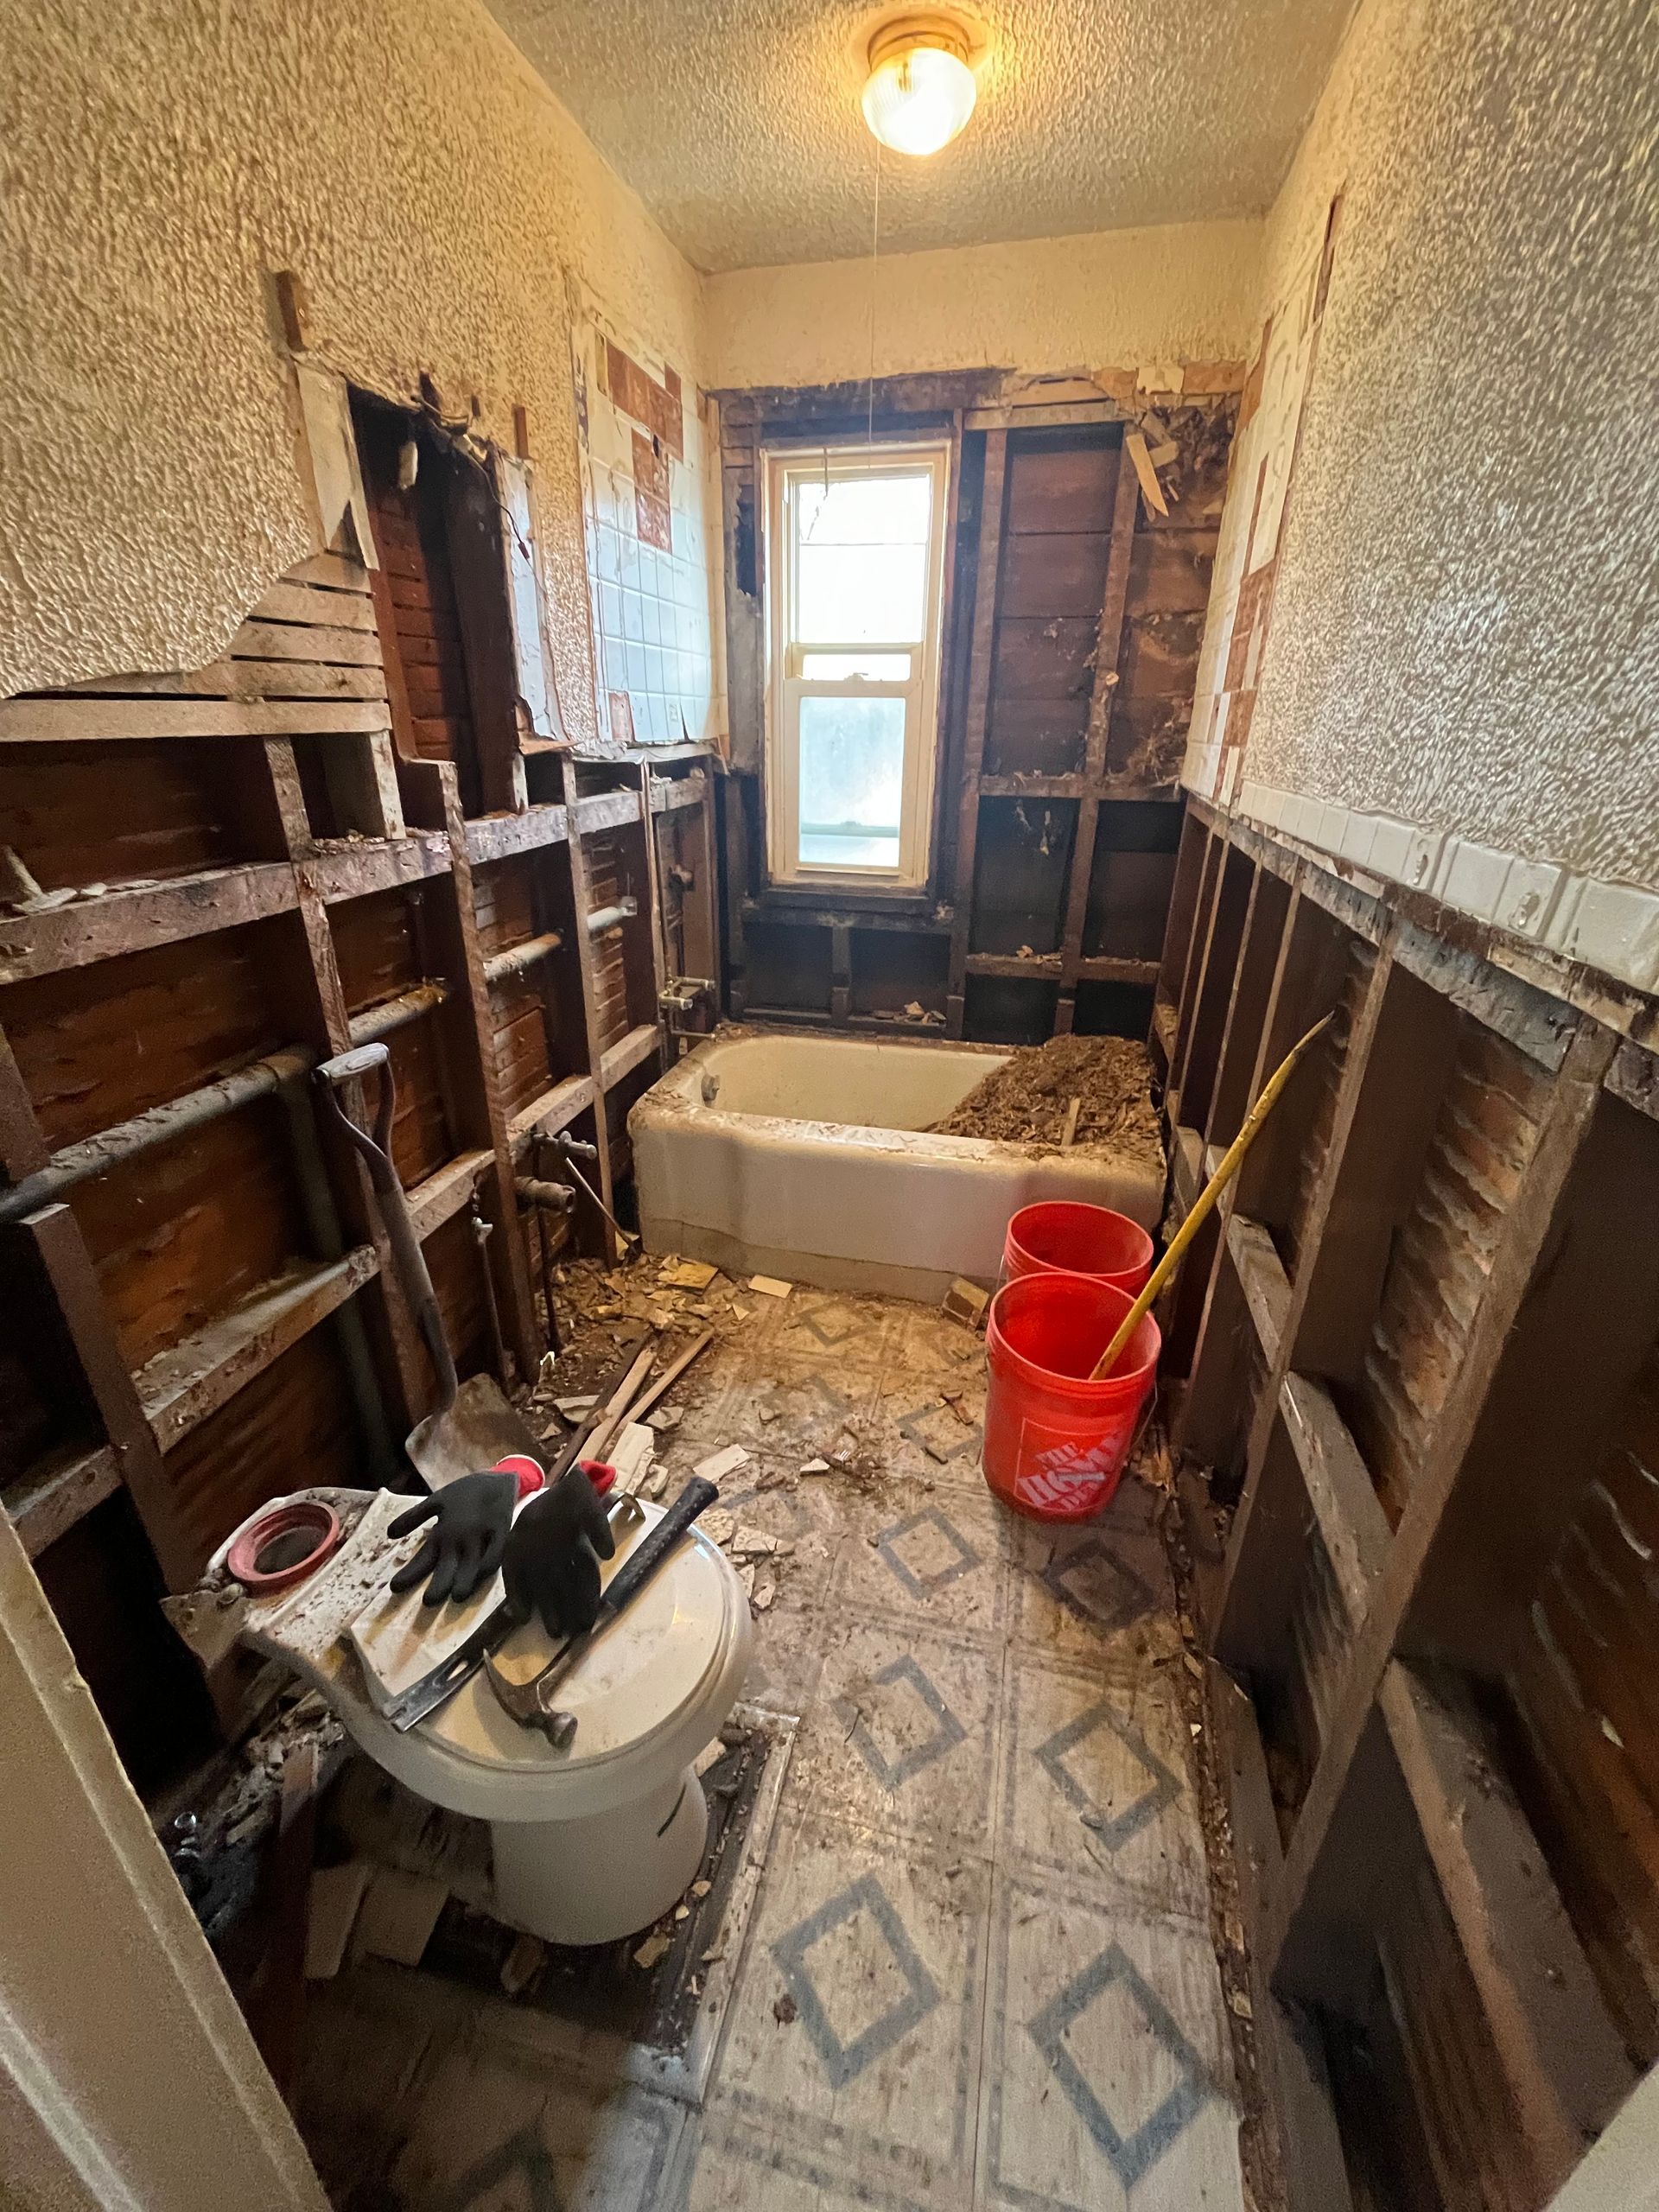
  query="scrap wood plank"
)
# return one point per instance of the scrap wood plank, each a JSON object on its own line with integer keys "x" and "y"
{"x": 305, "y": 602}
{"x": 279, "y": 676}
{"x": 1561, "y": 2056}
{"x": 44, "y": 720}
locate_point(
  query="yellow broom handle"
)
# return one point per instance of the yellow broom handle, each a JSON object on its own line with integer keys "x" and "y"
{"x": 1202, "y": 1207}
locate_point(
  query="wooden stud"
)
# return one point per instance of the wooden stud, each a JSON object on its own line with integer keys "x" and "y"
{"x": 976, "y": 714}
{"x": 1298, "y": 2093}
{"x": 582, "y": 897}
{"x": 1526, "y": 1231}
{"x": 1560, "y": 2057}
{"x": 1108, "y": 645}
{"x": 479, "y": 1119}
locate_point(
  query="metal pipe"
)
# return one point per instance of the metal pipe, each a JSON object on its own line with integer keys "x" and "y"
{"x": 606, "y": 918}
{"x": 481, "y": 1231}
{"x": 328, "y": 1237}
{"x": 545, "y": 1197}
{"x": 196, "y": 1109}
{"x": 158, "y": 1125}
{"x": 376, "y": 1023}
{"x": 517, "y": 957}
{"x": 557, "y": 1197}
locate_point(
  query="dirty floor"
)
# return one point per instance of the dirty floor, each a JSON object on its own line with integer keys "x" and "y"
{"x": 981, "y": 1971}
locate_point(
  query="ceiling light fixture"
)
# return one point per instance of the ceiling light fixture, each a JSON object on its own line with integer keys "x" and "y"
{"x": 921, "y": 88}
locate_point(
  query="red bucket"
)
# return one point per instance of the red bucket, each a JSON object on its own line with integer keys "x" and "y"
{"x": 1055, "y": 1442}
{"x": 1061, "y": 1235}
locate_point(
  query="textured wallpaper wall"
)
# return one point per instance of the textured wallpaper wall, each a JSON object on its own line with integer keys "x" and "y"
{"x": 1465, "y": 627}
{"x": 401, "y": 157}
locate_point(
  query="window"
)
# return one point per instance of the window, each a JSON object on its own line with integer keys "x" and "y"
{"x": 853, "y": 588}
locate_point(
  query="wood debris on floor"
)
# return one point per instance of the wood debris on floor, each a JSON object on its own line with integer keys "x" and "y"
{"x": 982, "y": 1969}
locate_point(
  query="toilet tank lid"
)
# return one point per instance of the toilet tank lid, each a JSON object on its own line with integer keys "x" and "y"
{"x": 634, "y": 1684}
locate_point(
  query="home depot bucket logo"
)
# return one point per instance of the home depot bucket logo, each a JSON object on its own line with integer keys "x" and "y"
{"x": 1070, "y": 1473}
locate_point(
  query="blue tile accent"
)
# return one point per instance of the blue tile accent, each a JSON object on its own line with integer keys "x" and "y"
{"x": 1129, "y": 1599}
{"x": 844, "y": 2062}
{"x": 892, "y": 1775}
{"x": 923, "y": 1585}
{"x": 1136, "y": 2153}
{"x": 1161, "y": 1789}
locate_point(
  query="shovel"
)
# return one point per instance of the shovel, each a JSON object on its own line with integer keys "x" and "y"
{"x": 473, "y": 1426}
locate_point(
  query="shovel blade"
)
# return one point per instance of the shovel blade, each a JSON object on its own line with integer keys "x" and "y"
{"x": 480, "y": 1428}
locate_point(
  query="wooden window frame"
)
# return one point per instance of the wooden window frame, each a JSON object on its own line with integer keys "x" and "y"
{"x": 785, "y": 689}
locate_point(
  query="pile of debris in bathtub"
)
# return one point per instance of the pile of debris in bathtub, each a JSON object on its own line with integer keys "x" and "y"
{"x": 1093, "y": 1094}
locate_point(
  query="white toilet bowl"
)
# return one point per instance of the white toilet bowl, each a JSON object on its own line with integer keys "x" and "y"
{"x": 592, "y": 1842}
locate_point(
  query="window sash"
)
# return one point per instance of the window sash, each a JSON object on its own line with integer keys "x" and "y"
{"x": 787, "y": 687}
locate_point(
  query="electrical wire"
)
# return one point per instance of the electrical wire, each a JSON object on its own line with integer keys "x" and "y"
{"x": 875, "y": 257}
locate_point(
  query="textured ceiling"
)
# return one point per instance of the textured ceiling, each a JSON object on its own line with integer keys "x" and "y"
{"x": 738, "y": 123}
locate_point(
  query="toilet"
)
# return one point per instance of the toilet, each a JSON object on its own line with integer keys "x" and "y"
{"x": 592, "y": 1842}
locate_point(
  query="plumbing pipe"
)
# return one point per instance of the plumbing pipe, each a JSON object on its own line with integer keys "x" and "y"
{"x": 607, "y": 917}
{"x": 377, "y": 1023}
{"x": 516, "y": 958}
{"x": 195, "y": 1110}
{"x": 556, "y": 1197}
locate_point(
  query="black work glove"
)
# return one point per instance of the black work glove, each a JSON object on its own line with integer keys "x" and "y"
{"x": 472, "y": 1518}
{"x": 551, "y": 1566}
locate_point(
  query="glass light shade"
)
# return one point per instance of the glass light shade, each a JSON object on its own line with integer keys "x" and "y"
{"x": 916, "y": 101}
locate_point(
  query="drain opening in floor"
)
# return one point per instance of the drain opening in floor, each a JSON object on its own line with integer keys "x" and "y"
{"x": 601, "y": 1985}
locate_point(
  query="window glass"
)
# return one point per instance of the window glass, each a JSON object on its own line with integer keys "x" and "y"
{"x": 862, "y": 559}
{"x": 852, "y": 781}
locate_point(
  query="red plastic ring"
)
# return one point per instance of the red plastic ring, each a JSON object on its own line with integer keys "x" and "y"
{"x": 303, "y": 1516}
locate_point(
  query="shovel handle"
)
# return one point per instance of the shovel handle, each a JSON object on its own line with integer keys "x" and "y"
{"x": 408, "y": 1259}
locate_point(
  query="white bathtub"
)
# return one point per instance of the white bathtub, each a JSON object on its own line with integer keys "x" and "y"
{"x": 768, "y": 1152}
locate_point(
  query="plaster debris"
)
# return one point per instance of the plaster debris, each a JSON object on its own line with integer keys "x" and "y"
{"x": 653, "y": 1952}
{"x": 719, "y": 1465}
{"x": 689, "y": 1275}
{"x": 816, "y": 1467}
{"x": 719, "y": 1526}
{"x": 764, "y": 1595}
{"x": 770, "y": 1287}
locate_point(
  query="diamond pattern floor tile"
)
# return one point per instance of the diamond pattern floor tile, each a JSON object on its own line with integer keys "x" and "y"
{"x": 939, "y": 1559}
{"x": 1107, "y": 2079}
{"x": 980, "y": 1977}
{"x": 904, "y": 1733}
{"x": 855, "y": 2026}
{"x": 1094, "y": 1786}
